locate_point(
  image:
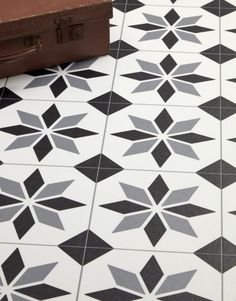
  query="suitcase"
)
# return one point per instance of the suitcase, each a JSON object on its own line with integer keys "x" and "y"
{"x": 36, "y": 34}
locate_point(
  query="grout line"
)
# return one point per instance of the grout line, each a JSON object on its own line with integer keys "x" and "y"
{"x": 103, "y": 141}
{"x": 221, "y": 166}
{"x": 4, "y": 86}
{"x": 121, "y": 169}
{"x": 163, "y": 5}
{"x": 112, "y": 249}
{"x": 170, "y": 51}
{"x": 163, "y": 105}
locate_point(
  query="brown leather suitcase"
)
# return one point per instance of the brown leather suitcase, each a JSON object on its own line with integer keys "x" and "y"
{"x": 41, "y": 33}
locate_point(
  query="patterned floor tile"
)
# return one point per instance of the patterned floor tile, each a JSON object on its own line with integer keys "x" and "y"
{"x": 116, "y": 24}
{"x": 229, "y": 82}
{"x": 157, "y": 211}
{"x": 159, "y": 138}
{"x": 229, "y": 217}
{"x": 229, "y": 278}
{"x": 228, "y": 33}
{"x": 167, "y": 78}
{"x": 37, "y": 273}
{"x": 228, "y": 4}
{"x": 191, "y": 3}
{"x": 229, "y": 138}
{"x": 52, "y": 134}
{"x": 175, "y": 29}
{"x": 42, "y": 205}
{"x": 76, "y": 81}
{"x": 128, "y": 275}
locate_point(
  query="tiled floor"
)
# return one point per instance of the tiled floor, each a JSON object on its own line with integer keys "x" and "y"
{"x": 118, "y": 174}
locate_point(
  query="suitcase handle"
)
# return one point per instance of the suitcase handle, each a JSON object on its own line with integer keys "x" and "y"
{"x": 36, "y": 46}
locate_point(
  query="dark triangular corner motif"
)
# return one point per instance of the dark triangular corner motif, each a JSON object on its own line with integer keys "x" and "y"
{"x": 212, "y": 254}
{"x": 212, "y": 172}
{"x": 229, "y": 262}
{"x": 133, "y": 4}
{"x": 117, "y": 102}
{"x": 8, "y": 98}
{"x": 213, "y": 7}
{"x": 213, "y": 53}
{"x": 226, "y": 8}
{"x": 120, "y": 49}
{"x": 212, "y": 107}
{"x": 214, "y": 112}
{"x": 1, "y": 163}
{"x": 228, "y": 168}
{"x": 90, "y": 168}
{"x": 121, "y": 7}
{"x": 228, "y": 180}
{"x": 213, "y": 248}
{"x": 96, "y": 247}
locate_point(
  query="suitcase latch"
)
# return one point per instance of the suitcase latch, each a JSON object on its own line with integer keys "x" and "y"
{"x": 67, "y": 31}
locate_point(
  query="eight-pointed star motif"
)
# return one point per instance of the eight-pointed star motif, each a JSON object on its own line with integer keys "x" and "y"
{"x": 150, "y": 284}
{"x": 47, "y": 131}
{"x": 23, "y": 202}
{"x": 163, "y": 136}
{"x": 168, "y": 77}
{"x": 21, "y": 283}
{"x": 155, "y": 208}
{"x": 171, "y": 28}
{"x": 61, "y": 77}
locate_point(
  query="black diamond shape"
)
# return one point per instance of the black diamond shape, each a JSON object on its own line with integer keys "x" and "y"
{"x": 33, "y": 183}
{"x": 155, "y": 229}
{"x": 146, "y": 27}
{"x": 189, "y": 210}
{"x": 168, "y": 64}
{"x": 170, "y": 39}
{"x": 133, "y": 135}
{"x": 151, "y": 274}
{"x": 42, "y": 291}
{"x": 140, "y": 76}
{"x": 172, "y": 16}
{"x": 88, "y": 74}
{"x": 166, "y": 91}
{"x": 163, "y": 120}
{"x": 24, "y": 222}
{"x": 43, "y": 148}
{"x": 113, "y": 294}
{"x": 183, "y": 297}
{"x": 51, "y": 116}
{"x": 161, "y": 153}
{"x": 58, "y": 86}
{"x": 158, "y": 189}
{"x": 12, "y": 266}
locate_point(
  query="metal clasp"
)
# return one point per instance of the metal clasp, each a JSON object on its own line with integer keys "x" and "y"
{"x": 68, "y": 32}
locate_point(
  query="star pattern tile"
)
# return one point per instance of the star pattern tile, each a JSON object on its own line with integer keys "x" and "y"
{"x": 118, "y": 173}
{"x": 166, "y": 28}
{"x": 167, "y": 78}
